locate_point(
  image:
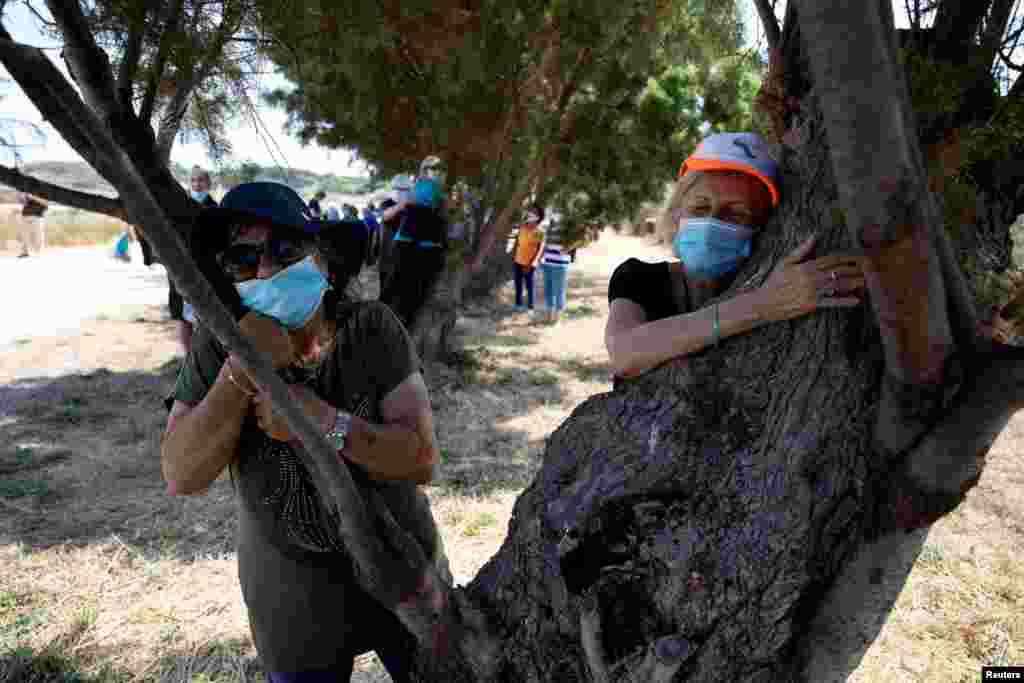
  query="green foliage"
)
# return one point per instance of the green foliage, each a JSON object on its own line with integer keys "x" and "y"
{"x": 198, "y": 45}
{"x": 614, "y": 116}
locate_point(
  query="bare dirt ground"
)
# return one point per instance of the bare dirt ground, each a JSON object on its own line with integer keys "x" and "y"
{"x": 105, "y": 578}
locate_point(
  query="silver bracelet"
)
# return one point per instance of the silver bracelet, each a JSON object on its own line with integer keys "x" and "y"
{"x": 337, "y": 436}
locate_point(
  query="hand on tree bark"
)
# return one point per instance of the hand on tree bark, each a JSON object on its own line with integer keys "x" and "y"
{"x": 797, "y": 287}
{"x": 269, "y": 337}
{"x": 276, "y": 427}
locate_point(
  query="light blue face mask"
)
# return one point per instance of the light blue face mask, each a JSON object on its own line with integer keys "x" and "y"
{"x": 290, "y": 296}
{"x": 199, "y": 195}
{"x": 710, "y": 248}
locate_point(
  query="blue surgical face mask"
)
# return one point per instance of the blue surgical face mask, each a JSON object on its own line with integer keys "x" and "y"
{"x": 290, "y": 296}
{"x": 710, "y": 248}
{"x": 199, "y": 195}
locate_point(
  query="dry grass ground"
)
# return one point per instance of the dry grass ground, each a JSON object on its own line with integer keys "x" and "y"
{"x": 104, "y": 578}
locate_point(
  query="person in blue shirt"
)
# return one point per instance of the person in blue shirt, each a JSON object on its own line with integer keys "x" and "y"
{"x": 419, "y": 246}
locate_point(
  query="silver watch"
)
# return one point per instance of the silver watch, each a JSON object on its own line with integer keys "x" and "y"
{"x": 338, "y": 434}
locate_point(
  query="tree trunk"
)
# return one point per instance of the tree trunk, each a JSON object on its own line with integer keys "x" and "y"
{"x": 661, "y": 505}
{"x": 736, "y": 515}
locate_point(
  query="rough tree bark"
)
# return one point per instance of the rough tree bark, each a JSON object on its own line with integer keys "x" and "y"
{"x": 750, "y": 513}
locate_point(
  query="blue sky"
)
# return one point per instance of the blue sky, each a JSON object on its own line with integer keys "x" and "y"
{"x": 249, "y": 145}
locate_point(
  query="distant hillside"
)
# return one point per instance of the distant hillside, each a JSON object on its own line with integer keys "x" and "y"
{"x": 80, "y": 176}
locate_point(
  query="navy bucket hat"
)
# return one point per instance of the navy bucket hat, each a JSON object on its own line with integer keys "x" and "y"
{"x": 278, "y": 203}
{"x": 211, "y": 233}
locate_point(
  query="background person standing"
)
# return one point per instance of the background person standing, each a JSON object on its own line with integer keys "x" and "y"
{"x": 181, "y": 311}
{"x": 32, "y": 234}
{"x": 554, "y": 264}
{"x": 526, "y": 252}
{"x": 314, "y": 205}
{"x": 420, "y": 244}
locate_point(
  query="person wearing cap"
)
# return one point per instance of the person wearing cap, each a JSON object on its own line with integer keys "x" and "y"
{"x": 353, "y": 370}
{"x": 419, "y": 245}
{"x": 726, "y": 192}
{"x": 314, "y": 205}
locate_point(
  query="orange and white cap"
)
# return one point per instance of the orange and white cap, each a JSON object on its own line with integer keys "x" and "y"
{"x": 743, "y": 152}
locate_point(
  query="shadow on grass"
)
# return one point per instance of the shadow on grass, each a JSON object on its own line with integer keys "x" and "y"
{"x": 81, "y": 463}
{"x": 473, "y": 397}
{"x": 219, "y": 662}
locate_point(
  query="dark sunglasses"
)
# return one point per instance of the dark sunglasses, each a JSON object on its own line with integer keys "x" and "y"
{"x": 239, "y": 260}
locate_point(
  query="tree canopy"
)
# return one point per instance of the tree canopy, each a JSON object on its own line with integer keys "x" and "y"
{"x": 587, "y": 106}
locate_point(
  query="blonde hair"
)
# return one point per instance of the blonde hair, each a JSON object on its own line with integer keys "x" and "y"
{"x": 668, "y": 222}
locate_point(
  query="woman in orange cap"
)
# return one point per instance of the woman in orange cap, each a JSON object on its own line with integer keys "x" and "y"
{"x": 727, "y": 190}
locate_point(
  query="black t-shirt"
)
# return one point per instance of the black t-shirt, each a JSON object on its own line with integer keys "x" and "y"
{"x": 305, "y": 609}
{"x": 650, "y": 285}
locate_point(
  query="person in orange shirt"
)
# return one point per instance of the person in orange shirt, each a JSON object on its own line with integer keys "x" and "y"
{"x": 527, "y": 251}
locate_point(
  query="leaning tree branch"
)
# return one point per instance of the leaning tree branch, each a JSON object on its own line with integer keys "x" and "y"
{"x": 52, "y": 95}
{"x": 1010, "y": 64}
{"x": 879, "y": 172}
{"x": 107, "y": 206}
{"x": 772, "y": 31}
{"x": 388, "y": 563}
{"x": 170, "y": 20}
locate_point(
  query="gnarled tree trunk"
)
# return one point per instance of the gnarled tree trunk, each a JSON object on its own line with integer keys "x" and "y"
{"x": 751, "y": 512}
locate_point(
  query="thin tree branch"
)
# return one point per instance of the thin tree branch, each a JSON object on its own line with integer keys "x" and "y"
{"x": 107, "y": 206}
{"x": 129, "y": 63}
{"x": 1010, "y": 64}
{"x": 770, "y": 23}
{"x": 170, "y": 122}
{"x": 168, "y": 23}
{"x": 87, "y": 63}
{"x": 997, "y": 21}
